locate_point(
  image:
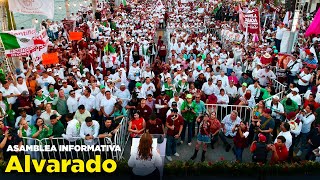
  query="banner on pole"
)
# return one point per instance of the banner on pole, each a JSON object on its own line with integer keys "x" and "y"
{"x": 50, "y": 58}
{"x": 41, "y": 49}
{"x": 250, "y": 19}
{"x": 40, "y": 7}
{"x": 75, "y": 36}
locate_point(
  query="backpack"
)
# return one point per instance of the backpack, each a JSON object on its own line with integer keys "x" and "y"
{"x": 261, "y": 152}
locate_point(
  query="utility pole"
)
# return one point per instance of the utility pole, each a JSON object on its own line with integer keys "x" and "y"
{"x": 3, "y": 14}
{"x": 67, "y": 5}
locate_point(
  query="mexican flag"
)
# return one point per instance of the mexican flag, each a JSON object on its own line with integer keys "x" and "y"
{"x": 124, "y": 2}
{"x": 109, "y": 48}
{"x": 16, "y": 41}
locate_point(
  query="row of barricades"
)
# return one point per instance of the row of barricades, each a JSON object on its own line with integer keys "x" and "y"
{"x": 60, "y": 148}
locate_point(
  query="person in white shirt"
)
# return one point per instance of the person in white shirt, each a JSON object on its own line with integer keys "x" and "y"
{"x": 264, "y": 75}
{"x": 134, "y": 76}
{"x": 307, "y": 117}
{"x": 10, "y": 92}
{"x": 89, "y": 131}
{"x": 293, "y": 69}
{"x": 107, "y": 105}
{"x": 285, "y": 132}
{"x": 224, "y": 79}
{"x": 255, "y": 89}
{"x": 279, "y": 34}
{"x": 295, "y": 96}
{"x": 222, "y": 98}
{"x": 25, "y": 116}
{"x": 45, "y": 80}
{"x": 145, "y": 160}
{"x": 148, "y": 86}
{"x": 21, "y": 84}
{"x": 87, "y": 100}
{"x": 73, "y": 101}
{"x": 147, "y": 73}
{"x": 232, "y": 92}
{"x": 66, "y": 88}
{"x": 304, "y": 80}
{"x": 73, "y": 129}
{"x": 208, "y": 87}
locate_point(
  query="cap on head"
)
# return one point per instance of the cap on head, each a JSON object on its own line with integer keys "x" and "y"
{"x": 262, "y": 138}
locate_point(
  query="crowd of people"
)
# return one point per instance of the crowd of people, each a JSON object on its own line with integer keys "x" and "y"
{"x": 166, "y": 84}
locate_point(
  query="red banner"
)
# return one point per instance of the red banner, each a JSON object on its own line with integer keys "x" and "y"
{"x": 250, "y": 19}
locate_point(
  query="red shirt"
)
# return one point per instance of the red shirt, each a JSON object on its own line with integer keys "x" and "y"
{"x": 155, "y": 128}
{"x": 307, "y": 102}
{"x": 282, "y": 154}
{"x": 136, "y": 124}
{"x": 145, "y": 112}
{"x": 240, "y": 142}
{"x": 162, "y": 101}
{"x": 177, "y": 123}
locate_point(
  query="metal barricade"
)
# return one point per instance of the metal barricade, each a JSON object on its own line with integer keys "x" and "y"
{"x": 279, "y": 87}
{"x": 31, "y": 141}
{"x": 221, "y": 110}
{"x": 121, "y": 137}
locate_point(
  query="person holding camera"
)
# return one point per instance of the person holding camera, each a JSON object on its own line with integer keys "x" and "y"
{"x": 307, "y": 117}
{"x": 240, "y": 140}
{"x": 259, "y": 149}
{"x": 279, "y": 150}
{"x": 304, "y": 80}
{"x": 174, "y": 123}
{"x": 10, "y": 138}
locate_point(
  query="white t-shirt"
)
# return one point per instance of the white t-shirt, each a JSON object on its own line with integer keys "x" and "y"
{"x": 108, "y": 104}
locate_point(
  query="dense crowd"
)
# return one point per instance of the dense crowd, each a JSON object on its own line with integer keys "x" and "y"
{"x": 175, "y": 84}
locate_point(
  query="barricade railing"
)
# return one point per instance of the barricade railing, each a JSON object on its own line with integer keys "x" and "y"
{"x": 221, "y": 110}
{"x": 280, "y": 90}
{"x": 120, "y": 139}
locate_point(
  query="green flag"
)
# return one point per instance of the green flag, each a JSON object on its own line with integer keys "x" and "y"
{"x": 109, "y": 48}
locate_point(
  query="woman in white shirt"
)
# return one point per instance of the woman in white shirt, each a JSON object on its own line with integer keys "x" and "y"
{"x": 145, "y": 161}
{"x": 222, "y": 98}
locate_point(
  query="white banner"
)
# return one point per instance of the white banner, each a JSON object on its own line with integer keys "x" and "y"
{"x": 41, "y": 49}
{"x": 40, "y": 7}
{"x": 27, "y": 33}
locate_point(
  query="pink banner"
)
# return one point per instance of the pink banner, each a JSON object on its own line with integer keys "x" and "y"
{"x": 250, "y": 19}
{"x": 314, "y": 27}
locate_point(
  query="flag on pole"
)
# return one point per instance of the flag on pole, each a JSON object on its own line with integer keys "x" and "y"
{"x": 109, "y": 48}
{"x": 15, "y": 42}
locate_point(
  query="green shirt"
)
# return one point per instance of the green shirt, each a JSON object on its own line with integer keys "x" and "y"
{"x": 200, "y": 107}
{"x": 43, "y": 134}
{"x": 292, "y": 108}
{"x": 53, "y": 101}
{"x": 57, "y": 129}
{"x": 266, "y": 94}
{"x": 189, "y": 116}
{"x": 62, "y": 107}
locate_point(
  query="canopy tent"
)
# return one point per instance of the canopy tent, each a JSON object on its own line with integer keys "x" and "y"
{"x": 314, "y": 27}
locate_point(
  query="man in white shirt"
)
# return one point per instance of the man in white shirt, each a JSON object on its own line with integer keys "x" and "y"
{"x": 107, "y": 105}
{"x": 293, "y": 69}
{"x": 89, "y": 131}
{"x": 10, "y": 92}
{"x": 21, "y": 85}
{"x": 66, "y": 88}
{"x": 73, "y": 101}
{"x": 265, "y": 75}
{"x": 255, "y": 90}
{"x": 277, "y": 114}
{"x": 227, "y": 124}
{"x": 148, "y": 86}
{"x": 208, "y": 87}
{"x": 224, "y": 79}
{"x": 285, "y": 132}
{"x": 88, "y": 100}
{"x": 295, "y": 96}
{"x": 279, "y": 34}
{"x": 73, "y": 129}
{"x": 304, "y": 80}
{"x": 232, "y": 92}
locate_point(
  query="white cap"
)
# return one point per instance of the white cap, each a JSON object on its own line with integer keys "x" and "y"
{"x": 276, "y": 97}
{"x": 56, "y": 74}
{"x": 295, "y": 89}
{"x": 85, "y": 70}
{"x": 49, "y": 70}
